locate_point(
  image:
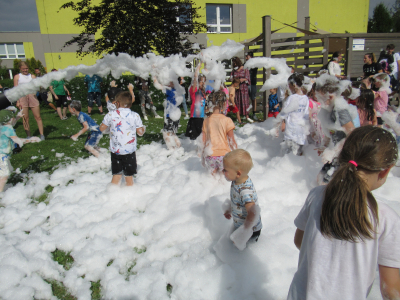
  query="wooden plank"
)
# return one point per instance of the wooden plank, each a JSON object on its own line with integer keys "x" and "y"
{"x": 310, "y": 61}
{"x": 298, "y": 54}
{"x": 295, "y": 46}
{"x": 349, "y": 56}
{"x": 326, "y": 48}
{"x": 267, "y": 53}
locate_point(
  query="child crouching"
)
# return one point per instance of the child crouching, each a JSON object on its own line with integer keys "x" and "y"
{"x": 124, "y": 124}
{"x": 243, "y": 206}
{"x": 88, "y": 123}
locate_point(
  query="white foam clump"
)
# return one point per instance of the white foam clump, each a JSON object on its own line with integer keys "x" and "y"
{"x": 390, "y": 118}
{"x": 173, "y": 211}
{"x": 266, "y": 62}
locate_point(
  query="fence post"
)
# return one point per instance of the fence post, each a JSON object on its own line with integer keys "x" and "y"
{"x": 326, "y": 53}
{"x": 306, "y": 27}
{"x": 349, "y": 56}
{"x": 266, "y": 53}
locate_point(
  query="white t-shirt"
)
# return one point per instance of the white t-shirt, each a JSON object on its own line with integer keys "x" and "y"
{"x": 395, "y": 68}
{"x": 334, "y": 69}
{"x": 295, "y": 112}
{"x": 334, "y": 269}
{"x": 123, "y": 123}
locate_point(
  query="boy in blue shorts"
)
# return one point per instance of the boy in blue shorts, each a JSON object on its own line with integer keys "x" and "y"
{"x": 124, "y": 124}
{"x": 243, "y": 205}
{"x": 90, "y": 125}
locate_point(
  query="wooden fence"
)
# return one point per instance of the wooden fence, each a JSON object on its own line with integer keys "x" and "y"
{"x": 309, "y": 53}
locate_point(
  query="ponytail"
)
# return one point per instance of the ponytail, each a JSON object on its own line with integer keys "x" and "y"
{"x": 350, "y": 211}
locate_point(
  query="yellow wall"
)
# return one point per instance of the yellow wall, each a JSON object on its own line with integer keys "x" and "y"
{"x": 64, "y": 59}
{"x": 28, "y": 48}
{"x": 340, "y": 15}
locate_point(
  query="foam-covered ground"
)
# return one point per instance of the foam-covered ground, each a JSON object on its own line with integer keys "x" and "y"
{"x": 166, "y": 229}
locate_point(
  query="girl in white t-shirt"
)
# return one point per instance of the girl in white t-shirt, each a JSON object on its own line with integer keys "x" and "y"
{"x": 343, "y": 232}
{"x": 295, "y": 115}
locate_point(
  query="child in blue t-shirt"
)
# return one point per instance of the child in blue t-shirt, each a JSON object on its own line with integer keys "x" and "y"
{"x": 273, "y": 103}
{"x": 90, "y": 125}
{"x": 7, "y": 139}
{"x": 243, "y": 206}
{"x": 170, "y": 126}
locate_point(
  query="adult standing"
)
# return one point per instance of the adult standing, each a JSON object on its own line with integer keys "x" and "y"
{"x": 253, "y": 86}
{"x": 29, "y": 101}
{"x": 334, "y": 66}
{"x": 60, "y": 91}
{"x": 242, "y": 99}
{"x": 43, "y": 92}
{"x": 93, "y": 83}
{"x": 371, "y": 67}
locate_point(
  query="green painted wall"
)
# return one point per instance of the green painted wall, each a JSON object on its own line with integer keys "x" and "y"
{"x": 64, "y": 59}
{"x": 28, "y": 48}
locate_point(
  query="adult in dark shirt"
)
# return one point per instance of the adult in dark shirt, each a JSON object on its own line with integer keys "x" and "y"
{"x": 42, "y": 97}
{"x": 253, "y": 86}
{"x": 371, "y": 67}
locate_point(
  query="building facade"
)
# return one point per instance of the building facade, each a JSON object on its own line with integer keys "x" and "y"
{"x": 239, "y": 21}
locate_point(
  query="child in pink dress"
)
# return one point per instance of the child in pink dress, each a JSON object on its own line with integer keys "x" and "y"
{"x": 316, "y": 136}
{"x": 382, "y": 81}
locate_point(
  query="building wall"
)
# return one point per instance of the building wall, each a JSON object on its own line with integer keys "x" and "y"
{"x": 56, "y": 26}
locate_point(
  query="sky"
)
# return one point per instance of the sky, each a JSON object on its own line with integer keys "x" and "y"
{"x": 28, "y": 20}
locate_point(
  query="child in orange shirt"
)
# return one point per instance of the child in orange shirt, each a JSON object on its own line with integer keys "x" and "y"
{"x": 218, "y": 137}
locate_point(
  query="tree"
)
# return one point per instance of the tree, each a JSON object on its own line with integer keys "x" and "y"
{"x": 396, "y": 16}
{"x": 32, "y": 63}
{"x": 381, "y": 21}
{"x": 135, "y": 27}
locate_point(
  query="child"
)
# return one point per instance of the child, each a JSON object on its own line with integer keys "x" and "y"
{"x": 7, "y": 139}
{"x": 232, "y": 105}
{"x": 113, "y": 92}
{"x": 88, "y": 123}
{"x": 217, "y": 133}
{"x": 382, "y": 82}
{"x": 171, "y": 126}
{"x": 295, "y": 114}
{"x": 60, "y": 91}
{"x": 243, "y": 205}
{"x": 343, "y": 232}
{"x": 198, "y": 96}
{"x": 124, "y": 124}
{"x": 337, "y": 122}
{"x": 316, "y": 134}
{"x": 365, "y": 107}
{"x": 273, "y": 103}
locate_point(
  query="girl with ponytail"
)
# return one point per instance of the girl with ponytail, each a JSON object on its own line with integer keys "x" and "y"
{"x": 343, "y": 232}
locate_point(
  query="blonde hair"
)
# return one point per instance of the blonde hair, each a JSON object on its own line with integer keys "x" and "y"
{"x": 240, "y": 160}
{"x": 23, "y": 63}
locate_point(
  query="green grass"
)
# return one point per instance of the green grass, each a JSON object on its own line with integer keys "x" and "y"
{"x": 59, "y": 290}
{"x": 41, "y": 157}
{"x": 96, "y": 290}
{"x": 63, "y": 258}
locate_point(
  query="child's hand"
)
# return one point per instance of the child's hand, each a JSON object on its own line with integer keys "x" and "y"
{"x": 276, "y": 106}
{"x": 74, "y": 137}
{"x": 20, "y": 114}
{"x": 228, "y": 215}
{"x": 112, "y": 84}
{"x": 130, "y": 87}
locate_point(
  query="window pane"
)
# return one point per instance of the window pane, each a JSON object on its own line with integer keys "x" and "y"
{"x": 20, "y": 49}
{"x": 3, "y": 56}
{"x": 212, "y": 29}
{"x": 10, "y": 49}
{"x": 226, "y": 29}
{"x": 225, "y": 14}
{"x": 211, "y": 14}
{"x": 12, "y": 56}
{"x": 2, "y": 49}
{"x": 21, "y": 55}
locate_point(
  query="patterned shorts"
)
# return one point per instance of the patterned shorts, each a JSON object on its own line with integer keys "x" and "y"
{"x": 214, "y": 163}
{"x": 5, "y": 165}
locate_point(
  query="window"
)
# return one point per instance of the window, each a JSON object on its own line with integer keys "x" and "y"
{"x": 219, "y": 18}
{"x": 12, "y": 51}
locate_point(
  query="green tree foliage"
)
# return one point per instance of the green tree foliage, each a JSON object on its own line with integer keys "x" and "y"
{"x": 396, "y": 16}
{"x": 381, "y": 21}
{"x": 32, "y": 63}
{"x": 135, "y": 27}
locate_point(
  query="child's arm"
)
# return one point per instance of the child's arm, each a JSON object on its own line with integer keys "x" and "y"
{"x": 52, "y": 91}
{"x": 375, "y": 120}
{"x": 251, "y": 215}
{"x": 130, "y": 88}
{"x": 196, "y": 75}
{"x": 232, "y": 97}
{"x": 298, "y": 238}
{"x": 103, "y": 127}
{"x": 65, "y": 89}
{"x": 389, "y": 282}
{"x": 19, "y": 141}
{"x": 140, "y": 131}
{"x": 231, "y": 140}
{"x": 82, "y": 131}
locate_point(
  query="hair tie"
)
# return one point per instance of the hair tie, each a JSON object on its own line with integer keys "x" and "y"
{"x": 353, "y": 162}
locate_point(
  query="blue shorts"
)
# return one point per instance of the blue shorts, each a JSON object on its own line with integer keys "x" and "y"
{"x": 94, "y": 97}
{"x": 93, "y": 138}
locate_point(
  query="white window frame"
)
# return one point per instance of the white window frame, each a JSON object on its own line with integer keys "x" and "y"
{"x": 17, "y": 55}
{"x": 218, "y": 25}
